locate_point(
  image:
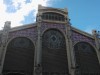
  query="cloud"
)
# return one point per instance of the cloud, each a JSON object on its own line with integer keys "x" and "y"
{"x": 16, "y": 10}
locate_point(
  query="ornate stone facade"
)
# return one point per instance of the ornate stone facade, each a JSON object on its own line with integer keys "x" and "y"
{"x": 51, "y": 55}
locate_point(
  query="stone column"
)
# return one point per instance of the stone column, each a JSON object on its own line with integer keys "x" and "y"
{"x": 97, "y": 42}
{"x": 4, "y": 39}
{"x": 70, "y": 53}
{"x": 38, "y": 67}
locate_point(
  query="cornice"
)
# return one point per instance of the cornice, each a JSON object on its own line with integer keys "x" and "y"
{"x": 23, "y": 27}
{"x": 51, "y": 21}
{"x": 50, "y": 9}
{"x": 34, "y": 25}
{"x": 82, "y": 32}
{"x": 53, "y": 10}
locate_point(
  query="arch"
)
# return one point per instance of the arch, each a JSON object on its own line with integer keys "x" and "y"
{"x": 19, "y": 56}
{"x": 54, "y": 54}
{"x": 54, "y": 29}
{"x": 87, "y": 43}
{"x": 54, "y": 16}
{"x": 48, "y": 11}
{"x": 86, "y": 58}
{"x": 19, "y": 37}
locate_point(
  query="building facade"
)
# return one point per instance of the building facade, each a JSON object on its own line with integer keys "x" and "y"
{"x": 51, "y": 46}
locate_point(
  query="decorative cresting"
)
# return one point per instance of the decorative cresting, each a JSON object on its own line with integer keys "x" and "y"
{"x": 19, "y": 57}
{"x": 86, "y": 59}
{"x": 54, "y": 55}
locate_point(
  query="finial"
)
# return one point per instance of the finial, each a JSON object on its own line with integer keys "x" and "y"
{"x": 7, "y": 25}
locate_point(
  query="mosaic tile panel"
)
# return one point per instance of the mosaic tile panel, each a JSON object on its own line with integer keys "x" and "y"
{"x": 46, "y": 26}
{"x": 29, "y": 32}
{"x": 76, "y": 37}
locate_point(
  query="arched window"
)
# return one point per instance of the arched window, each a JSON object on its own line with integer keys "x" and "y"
{"x": 19, "y": 57}
{"x": 54, "y": 55}
{"x": 53, "y": 16}
{"x": 86, "y": 59}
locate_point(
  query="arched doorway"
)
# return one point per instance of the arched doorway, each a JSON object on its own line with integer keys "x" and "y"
{"x": 54, "y": 54}
{"x": 19, "y": 57}
{"x": 86, "y": 59}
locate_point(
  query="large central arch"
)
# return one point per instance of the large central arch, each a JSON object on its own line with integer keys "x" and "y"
{"x": 54, "y": 54}
{"x": 19, "y": 57}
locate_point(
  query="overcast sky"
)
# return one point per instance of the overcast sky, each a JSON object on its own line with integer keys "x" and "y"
{"x": 84, "y": 14}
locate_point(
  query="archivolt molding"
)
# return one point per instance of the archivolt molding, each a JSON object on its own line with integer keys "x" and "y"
{"x": 54, "y": 29}
{"x": 84, "y": 42}
{"x": 54, "y": 12}
{"x": 19, "y": 37}
{"x": 89, "y": 44}
{"x": 77, "y": 37}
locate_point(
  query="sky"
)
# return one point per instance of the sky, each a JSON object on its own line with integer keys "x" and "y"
{"x": 84, "y": 14}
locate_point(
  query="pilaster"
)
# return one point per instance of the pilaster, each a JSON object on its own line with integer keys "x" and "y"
{"x": 69, "y": 45}
{"x": 4, "y": 43}
{"x": 96, "y": 36}
{"x": 38, "y": 67}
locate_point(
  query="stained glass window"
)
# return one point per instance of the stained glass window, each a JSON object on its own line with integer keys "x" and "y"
{"x": 54, "y": 40}
{"x": 54, "y": 55}
{"x": 19, "y": 57}
{"x": 86, "y": 58}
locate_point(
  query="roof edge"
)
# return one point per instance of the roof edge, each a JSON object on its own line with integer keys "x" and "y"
{"x": 23, "y": 27}
{"x": 82, "y": 32}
